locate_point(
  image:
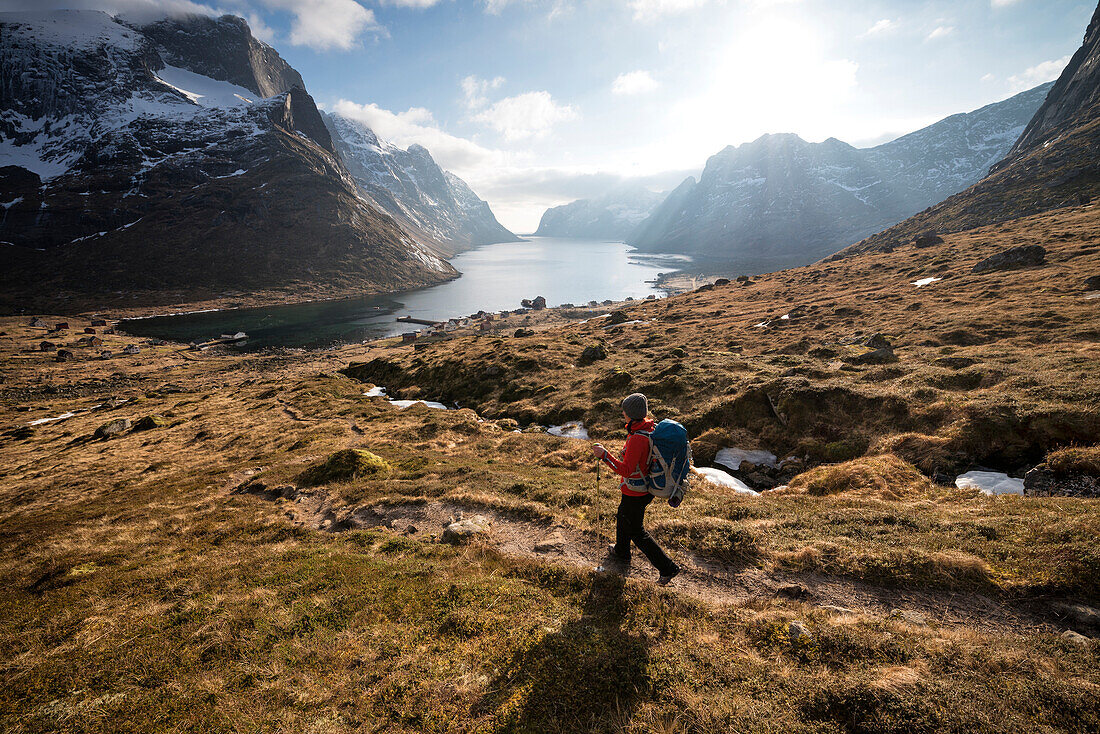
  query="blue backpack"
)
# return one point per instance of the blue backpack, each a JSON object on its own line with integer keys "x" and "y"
{"x": 669, "y": 462}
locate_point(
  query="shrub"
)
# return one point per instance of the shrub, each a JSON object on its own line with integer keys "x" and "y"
{"x": 884, "y": 476}
{"x": 346, "y": 465}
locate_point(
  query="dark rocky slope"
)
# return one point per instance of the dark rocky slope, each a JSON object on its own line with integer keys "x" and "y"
{"x": 133, "y": 170}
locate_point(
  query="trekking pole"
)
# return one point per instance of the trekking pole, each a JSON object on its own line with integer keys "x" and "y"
{"x": 599, "y": 524}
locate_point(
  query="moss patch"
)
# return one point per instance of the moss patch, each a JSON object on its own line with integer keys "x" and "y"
{"x": 346, "y": 465}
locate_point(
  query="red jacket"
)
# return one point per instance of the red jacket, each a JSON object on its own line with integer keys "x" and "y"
{"x": 634, "y": 461}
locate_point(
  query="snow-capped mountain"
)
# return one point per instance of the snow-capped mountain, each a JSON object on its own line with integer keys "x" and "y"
{"x": 408, "y": 184}
{"x": 179, "y": 155}
{"x": 612, "y": 216}
{"x": 780, "y": 201}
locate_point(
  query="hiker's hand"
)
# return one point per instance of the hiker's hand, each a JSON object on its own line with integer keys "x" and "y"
{"x": 598, "y": 451}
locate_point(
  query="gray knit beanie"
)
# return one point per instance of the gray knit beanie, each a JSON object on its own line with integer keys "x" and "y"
{"x": 636, "y": 406}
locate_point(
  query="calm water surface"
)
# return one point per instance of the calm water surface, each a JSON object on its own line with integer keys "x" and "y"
{"x": 494, "y": 278}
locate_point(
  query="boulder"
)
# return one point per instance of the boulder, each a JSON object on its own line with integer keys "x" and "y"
{"x": 113, "y": 428}
{"x": 927, "y": 239}
{"x": 64, "y": 355}
{"x": 539, "y": 303}
{"x": 346, "y": 465}
{"x": 524, "y": 332}
{"x": 1075, "y": 637}
{"x": 592, "y": 353}
{"x": 1015, "y": 257}
{"x": 1092, "y": 283}
{"x": 461, "y": 531}
{"x": 878, "y": 341}
{"x": 618, "y": 317}
{"x": 722, "y": 281}
{"x": 799, "y": 633}
{"x": 1042, "y": 481}
{"x": 151, "y": 422}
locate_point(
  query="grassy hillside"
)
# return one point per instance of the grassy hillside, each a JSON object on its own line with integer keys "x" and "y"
{"x": 209, "y": 569}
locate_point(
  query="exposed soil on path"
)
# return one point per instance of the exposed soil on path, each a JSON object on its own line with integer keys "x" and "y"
{"x": 710, "y": 580}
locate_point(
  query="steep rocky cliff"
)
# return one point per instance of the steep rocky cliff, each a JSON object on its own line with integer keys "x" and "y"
{"x": 411, "y": 187}
{"x": 183, "y": 156}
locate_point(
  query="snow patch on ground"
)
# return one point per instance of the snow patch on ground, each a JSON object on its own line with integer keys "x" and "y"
{"x": 990, "y": 482}
{"x": 732, "y": 458}
{"x": 925, "y": 281}
{"x": 407, "y": 403}
{"x": 722, "y": 479}
{"x": 375, "y": 392}
{"x": 572, "y": 429}
{"x": 61, "y": 417}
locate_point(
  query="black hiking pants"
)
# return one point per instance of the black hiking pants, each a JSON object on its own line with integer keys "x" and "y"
{"x": 628, "y": 527}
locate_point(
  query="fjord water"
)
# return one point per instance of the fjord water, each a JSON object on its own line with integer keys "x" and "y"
{"x": 494, "y": 278}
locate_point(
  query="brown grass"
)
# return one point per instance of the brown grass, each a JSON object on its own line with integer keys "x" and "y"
{"x": 883, "y": 476}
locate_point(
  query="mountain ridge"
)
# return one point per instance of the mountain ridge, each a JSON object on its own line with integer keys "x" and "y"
{"x": 779, "y": 201}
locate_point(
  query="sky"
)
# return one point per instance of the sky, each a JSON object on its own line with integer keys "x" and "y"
{"x": 539, "y": 102}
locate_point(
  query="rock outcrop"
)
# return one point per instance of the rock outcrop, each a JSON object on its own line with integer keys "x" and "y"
{"x": 1014, "y": 257}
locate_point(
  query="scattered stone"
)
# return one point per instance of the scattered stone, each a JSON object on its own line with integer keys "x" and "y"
{"x": 906, "y": 615}
{"x": 524, "y": 332}
{"x": 592, "y": 353}
{"x": 461, "y": 531}
{"x": 705, "y": 288}
{"x": 1044, "y": 482}
{"x": 106, "y": 354}
{"x": 64, "y": 355}
{"x": 113, "y": 428}
{"x": 792, "y": 591}
{"x": 743, "y": 279}
{"x": 618, "y": 317}
{"x": 799, "y": 633}
{"x": 1015, "y": 257}
{"x": 150, "y": 423}
{"x": 878, "y": 341}
{"x": 1075, "y": 637}
{"x": 47, "y": 347}
{"x": 552, "y": 543}
{"x": 131, "y": 349}
{"x": 1093, "y": 283}
{"x": 927, "y": 239}
{"x": 722, "y": 281}
{"x": 112, "y": 403}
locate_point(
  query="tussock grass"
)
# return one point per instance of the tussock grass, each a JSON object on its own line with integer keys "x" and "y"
{"x": 884, "y": 476}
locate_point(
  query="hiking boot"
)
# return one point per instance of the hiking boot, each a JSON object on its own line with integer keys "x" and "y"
{"x": 618, "y": 557}
{"x": 666, "y": 578}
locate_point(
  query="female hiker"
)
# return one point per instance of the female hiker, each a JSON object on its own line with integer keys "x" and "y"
{"x": 632, "y": 466}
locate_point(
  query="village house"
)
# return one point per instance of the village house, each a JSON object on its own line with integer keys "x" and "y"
{"x": 409, "y": 336}
{"x": 89, "y": 330}
{"x": 131, "y": 349}
{"x": 39, "y": 324}
{"x": 486, "y": 325}
{"x": 64, "y": 355}
{"x": 62, "y": 325}
{"x": 99, "y": 322}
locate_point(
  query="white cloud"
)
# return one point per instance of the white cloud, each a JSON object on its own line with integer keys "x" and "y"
{"x": 941, "y": 31}
{"x": 417, "y": 125}
{"x": 1040, "y": 73}
{"x": 527, "y": 115}
{"x": 493, "y": 7}
{"x": 260, "y": 29}
{"x": 652, "y": 9}
{"x": 883, "y": 26}
{"x": 411, "y": 3}
{"x": 476, "y": 89}
{"x": 1003, "y": 3}
{"x": 328, "y": 24}
{"x": 634, "y": 82}
{"x": 986, "y": 78}
{"x": 138, "y": 11}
